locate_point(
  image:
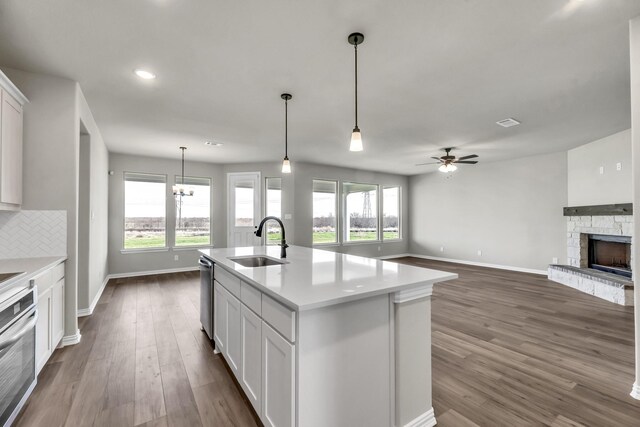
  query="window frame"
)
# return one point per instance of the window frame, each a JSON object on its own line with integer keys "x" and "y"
{"x": 266, "y": 206}
{"x": 166, "y": 246}
{"x": 343, "y": 214}
{"x": 399, "y": 238}
{"x": 338, "y": 214}
{"x": 175, "y": 245}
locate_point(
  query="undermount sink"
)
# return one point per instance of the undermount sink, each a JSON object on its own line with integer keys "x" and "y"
{"x": 256, "y": 261}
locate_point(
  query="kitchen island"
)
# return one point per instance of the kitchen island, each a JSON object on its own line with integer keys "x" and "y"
{"x": 326, "y": 339}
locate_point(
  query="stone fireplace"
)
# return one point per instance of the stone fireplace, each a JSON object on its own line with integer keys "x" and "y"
{"x": 599, "y": 255}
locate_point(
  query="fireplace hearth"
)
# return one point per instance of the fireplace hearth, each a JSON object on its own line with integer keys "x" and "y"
{"x": 611, "y": 254}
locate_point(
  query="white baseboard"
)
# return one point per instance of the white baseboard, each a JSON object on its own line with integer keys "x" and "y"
{"x": 428, "y": 419}
{"x": 152, "y": 272}
{"x": 479, "y": 264}
{"x": 82, "y": 312}
{"x": 71, "y": 339}
{"x": 635, "y": 391}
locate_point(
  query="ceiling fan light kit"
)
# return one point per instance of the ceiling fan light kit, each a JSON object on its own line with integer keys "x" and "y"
{"x": 448, "y": 162}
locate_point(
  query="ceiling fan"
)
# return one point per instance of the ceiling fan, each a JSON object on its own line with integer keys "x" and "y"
{"x": 448, "y": 162}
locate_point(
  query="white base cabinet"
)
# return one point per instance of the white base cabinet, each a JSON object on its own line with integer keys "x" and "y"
{"x": 278, "y": 379}
{"x": 43, "y": 329}
{"x": 50, "y": 324}
{"x": 251, "y": 365}
{"x": 260, "y": 357}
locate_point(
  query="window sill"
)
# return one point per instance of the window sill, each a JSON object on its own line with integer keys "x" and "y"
{"x": 142, "y": 251}
{"x": 362, "y": 242}
{"x": 324, "y": 245}
{"x": 191, "y": 248}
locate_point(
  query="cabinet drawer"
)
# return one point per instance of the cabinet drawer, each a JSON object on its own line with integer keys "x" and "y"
{"x": 251, "y": 297}
{"x": 57, "y": 273}
{"x": 43, "y": 282}
{"x": 228, "y": 280}
{"x": 279, "y": 317}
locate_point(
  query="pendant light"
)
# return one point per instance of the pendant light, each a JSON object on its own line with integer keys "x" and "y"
{"x": 180, "y": 190}
{"x": 356, "y": 137}
{"x": 286, "y": 165}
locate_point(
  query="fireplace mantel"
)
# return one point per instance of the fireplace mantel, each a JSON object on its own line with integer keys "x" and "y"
{"x": 599, "y": 210}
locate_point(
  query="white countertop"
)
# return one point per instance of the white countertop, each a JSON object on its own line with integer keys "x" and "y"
{"x": 30, "y": 266}
{"x": 314, "y": 278}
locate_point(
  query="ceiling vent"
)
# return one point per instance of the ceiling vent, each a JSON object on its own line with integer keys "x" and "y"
{"x": 507, "y": 123}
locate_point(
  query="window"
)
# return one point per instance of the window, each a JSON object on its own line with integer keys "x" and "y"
{"x": 273, "y": 208}
{"x": 324, "y": 211}
{"x": 361, "y": 212}
{"x": 193, "y": 213}
{"x": 244, "y": 216}
{"x": 144, "y": 211}
{"x": 391, "y": 213}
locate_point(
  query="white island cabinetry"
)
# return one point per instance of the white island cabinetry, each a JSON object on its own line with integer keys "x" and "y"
{"x": 322, "y": 339}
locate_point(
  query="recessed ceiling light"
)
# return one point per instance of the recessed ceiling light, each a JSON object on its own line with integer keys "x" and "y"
{"x": 507, "y": 123}
{"x": 144, "y": 74}
{"x": 213, "y": 144}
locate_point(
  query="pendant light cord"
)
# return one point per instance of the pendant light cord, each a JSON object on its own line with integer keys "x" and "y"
{"x": 286, "y": 128}
{"x": 355, "y": 46}
{"x": 182, "y": 149}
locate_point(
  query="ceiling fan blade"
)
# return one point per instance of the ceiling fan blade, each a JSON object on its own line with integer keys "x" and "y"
{"x": 467, "y": 162}
{"x": 472, "y": 156}
{"x": 432, "y": 163}
{"x": 437, "y": 158}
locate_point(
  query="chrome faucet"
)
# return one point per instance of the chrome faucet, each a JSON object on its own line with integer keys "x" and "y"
{"x": 283, "y": 242}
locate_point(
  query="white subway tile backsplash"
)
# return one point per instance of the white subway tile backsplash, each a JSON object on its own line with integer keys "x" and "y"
{"x": 27, "y": 234}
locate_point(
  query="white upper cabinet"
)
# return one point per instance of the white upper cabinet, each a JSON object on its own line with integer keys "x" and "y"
{"x": 11, "y": 102}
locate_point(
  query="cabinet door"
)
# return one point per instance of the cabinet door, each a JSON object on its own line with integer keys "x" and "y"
{"x": 220, "y": 318}
{"x": 57, "y": 313}
{"x": 278, "y": 379}
{"x": 233, "y": 333}
{"x": 251, "y": 365}
{"x": 11, "y": 151}
{"x": 43, "y": 330}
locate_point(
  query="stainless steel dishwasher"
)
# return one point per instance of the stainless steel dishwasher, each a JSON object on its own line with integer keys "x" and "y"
{"x": 206, "y": 295}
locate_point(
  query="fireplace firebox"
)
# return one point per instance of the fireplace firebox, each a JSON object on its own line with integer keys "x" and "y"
{"x": 610, "y": 253}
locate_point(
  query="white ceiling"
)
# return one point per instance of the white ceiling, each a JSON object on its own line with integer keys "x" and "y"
{"x": 433, "y": 73}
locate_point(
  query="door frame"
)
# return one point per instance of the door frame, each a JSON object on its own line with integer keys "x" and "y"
{"x": 257, "y": 201}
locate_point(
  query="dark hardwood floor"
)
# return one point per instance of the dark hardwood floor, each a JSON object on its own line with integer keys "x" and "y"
{"x": 142, "y": 360}
{"x": 515, "y": 349}
{"x": 509, "y": 349}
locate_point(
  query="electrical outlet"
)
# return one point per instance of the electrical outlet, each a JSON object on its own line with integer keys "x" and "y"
{"x": 601, "y": 170}
{"x": 618, "y": 166}
{"x": 479, "y": 252}
{"x": 287, "y": 216}
{"x": 176, "y": 257}
{"x": 379, "y": 248}
{"x": 441, "y": 248}
{"x": 554, "y": 260}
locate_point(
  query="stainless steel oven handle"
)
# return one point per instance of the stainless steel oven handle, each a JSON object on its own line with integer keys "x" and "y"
{"x": 21, "y": 333}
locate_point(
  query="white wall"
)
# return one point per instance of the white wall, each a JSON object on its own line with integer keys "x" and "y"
{"x": 586, "y": 185}
{"x": 635, "y": 134}
{"x": 123, "y": 263}
{"x": 296, "y": 200}
{"x": 98, "y": 226}
{"x": 305, "y": 173}
{"x": 50, "y": 173}
{"x": 511, "y": 211}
